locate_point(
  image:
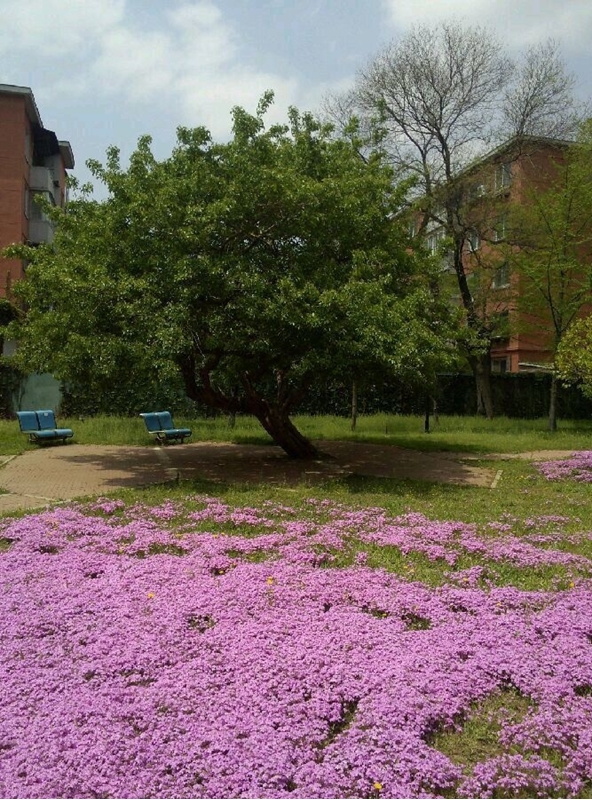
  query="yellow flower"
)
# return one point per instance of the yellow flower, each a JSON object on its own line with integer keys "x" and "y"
{"x": 377, "y": 786}
{"x": 150, "y": 595}
{"x": 270, "y": 580}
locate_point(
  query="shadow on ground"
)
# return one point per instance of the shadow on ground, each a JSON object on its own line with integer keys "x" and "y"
{"x": 71, "y": 471}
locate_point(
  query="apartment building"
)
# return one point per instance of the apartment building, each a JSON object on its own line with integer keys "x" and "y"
{"x": 33, "y": 164}
{"x": 486, "y": 192}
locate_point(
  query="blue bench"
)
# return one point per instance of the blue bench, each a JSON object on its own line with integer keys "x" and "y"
{"x": 160, "y": 423}
{"x": 41, "y": 427}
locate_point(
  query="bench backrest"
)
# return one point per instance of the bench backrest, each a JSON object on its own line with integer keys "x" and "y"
{"x": 46, "y": 420}
{"x": 28, "y": 421}
{"x": 166, "y": 420}
{"x": 152, "y": 421}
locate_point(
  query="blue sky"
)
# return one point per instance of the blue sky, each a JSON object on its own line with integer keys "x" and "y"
{"x": 107, "y": 71}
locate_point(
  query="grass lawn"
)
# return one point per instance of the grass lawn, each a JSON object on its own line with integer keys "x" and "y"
{"x": 364, "y": 638}
{"x": 461, "y": 434}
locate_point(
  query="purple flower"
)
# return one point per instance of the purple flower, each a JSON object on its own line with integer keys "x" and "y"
{"x": 216, "y": 653}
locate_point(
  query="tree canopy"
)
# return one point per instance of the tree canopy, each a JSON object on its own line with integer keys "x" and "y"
{"x": 574, "y": 356}
{"x": 250, "y": 268}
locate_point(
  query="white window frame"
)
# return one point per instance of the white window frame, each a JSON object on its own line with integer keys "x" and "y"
{"x": 503, "y": 176}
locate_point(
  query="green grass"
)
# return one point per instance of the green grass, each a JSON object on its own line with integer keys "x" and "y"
{"x": 460, "y": 434}
{"x": 476, "y": 738}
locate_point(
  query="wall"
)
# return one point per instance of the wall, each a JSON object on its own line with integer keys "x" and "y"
{"x": 38, "y": 391}
{"x": 14, "y": 125}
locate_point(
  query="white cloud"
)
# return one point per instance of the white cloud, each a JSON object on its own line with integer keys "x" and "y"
{"x": 519, "y": 23}
{"x": 186, "y": 57}
{"x": 208, "y": 76}
{"x": 132, "y": 64}
{"x": 51, "y": 28}
{"x": 203, "y": 34}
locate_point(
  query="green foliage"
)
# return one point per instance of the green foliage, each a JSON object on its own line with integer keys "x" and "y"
{"x": 10, "y": 380}
{"x": 260, "y": 263}
{"x": 10, "y": 374}
{"x": 127, "y": 397}
{"x": 574, "y": 358}
{"x": 8, "y": 312}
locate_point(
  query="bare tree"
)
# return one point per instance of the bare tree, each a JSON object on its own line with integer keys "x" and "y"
{"x": 444, "y": 96}
{"x": 540, "y": 102}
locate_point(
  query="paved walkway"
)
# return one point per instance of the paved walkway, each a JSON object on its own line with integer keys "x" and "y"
{"x": 65, "y": 472}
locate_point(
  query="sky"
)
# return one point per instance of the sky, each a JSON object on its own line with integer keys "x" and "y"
{"x": 105, "y": 72}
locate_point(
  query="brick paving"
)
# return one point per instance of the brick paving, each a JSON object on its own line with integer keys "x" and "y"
{"x": 65, "y": 472}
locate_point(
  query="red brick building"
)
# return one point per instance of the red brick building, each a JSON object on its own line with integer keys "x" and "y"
{"x": 511, "y": 175}
{"x": 33, "y": 164}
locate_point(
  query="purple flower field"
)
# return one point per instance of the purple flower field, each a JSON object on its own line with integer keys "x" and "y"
{"x": 578, "y": 468}
{"x": 232, "y": 652}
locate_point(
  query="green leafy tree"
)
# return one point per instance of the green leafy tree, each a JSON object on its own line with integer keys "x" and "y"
{"x": 550, "y": 251}
{"x": 574, "y": 355}
{"x": 251, "y": 268}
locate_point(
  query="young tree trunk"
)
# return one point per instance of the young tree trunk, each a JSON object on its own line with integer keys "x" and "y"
{"x": 481, "y": 366}
{"x": 552, "y": 424}
{"x": 354, "y": 406}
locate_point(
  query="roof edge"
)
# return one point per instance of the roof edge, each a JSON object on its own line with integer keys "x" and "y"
{"x": 30, "y": 104}
{"x": 514, "y": 142}
{"x": 67, "y": 154}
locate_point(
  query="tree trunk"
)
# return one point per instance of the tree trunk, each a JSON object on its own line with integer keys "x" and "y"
{"x": 274, "y": 419}
{"x": 354, "y": 406}
{"x": 480, "y": 362}
{"x": 285, "y": 434}
{"x": 481, "y": 366}
{"x": 553, "y": 404}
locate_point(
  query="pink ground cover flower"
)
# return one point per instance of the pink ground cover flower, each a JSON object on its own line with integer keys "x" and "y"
{"x": 140, "y": 662}
{"x": 577, "y": 467}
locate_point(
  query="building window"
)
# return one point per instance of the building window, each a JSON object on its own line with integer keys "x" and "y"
{"x": 501, "y": 276}
{"x": 433, "y": 241}
{"x": 500, "y": 230}
{"x": 503, "y": 176}
{"x": 500, "y": 326}
{"x": 473, "y": 240}
{"x": 499, "y": 365}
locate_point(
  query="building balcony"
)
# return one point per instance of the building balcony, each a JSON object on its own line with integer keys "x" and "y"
{"x": 40, "y": 231}
{"x": 41, "y": 180}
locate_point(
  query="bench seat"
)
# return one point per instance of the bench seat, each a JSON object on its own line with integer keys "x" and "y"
{"x": 161, "y": 425}
{"x": 40, "y": 426}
